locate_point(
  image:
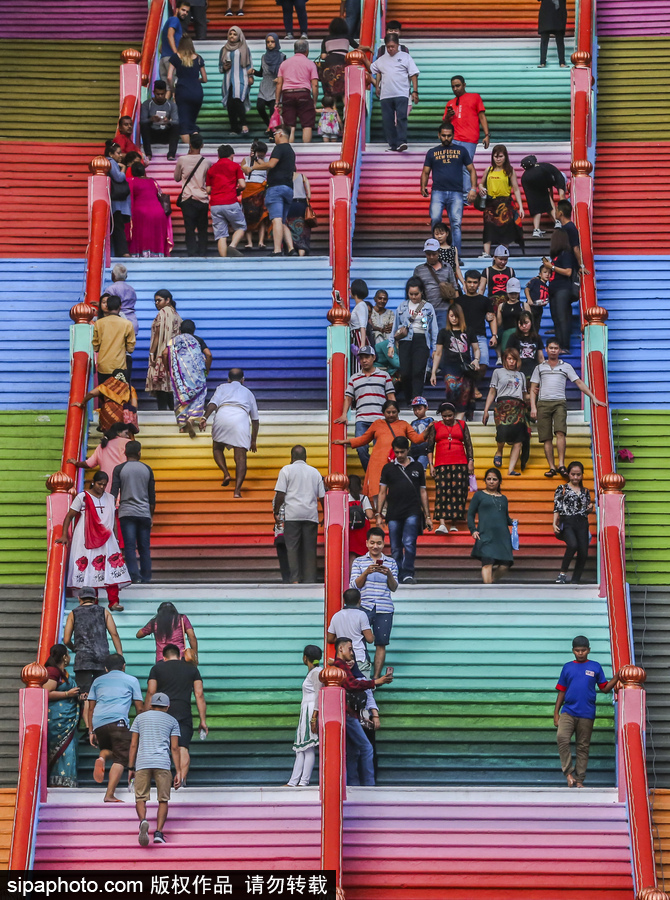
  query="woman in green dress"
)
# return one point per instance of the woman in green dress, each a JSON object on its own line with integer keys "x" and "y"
{"x": 62, "y": 720}
{"x": 489, "y": 521}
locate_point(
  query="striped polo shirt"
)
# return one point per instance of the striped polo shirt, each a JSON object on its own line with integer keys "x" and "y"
{"x": 375, "y": 592}
{"x": 155, "y": 729}
{"x": 368, "y": 393}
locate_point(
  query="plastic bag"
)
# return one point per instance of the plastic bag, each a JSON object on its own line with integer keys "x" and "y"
{"x": 473, "y": 482}
{"x": 515, "y": 534}
{"x": 275, "y": 120}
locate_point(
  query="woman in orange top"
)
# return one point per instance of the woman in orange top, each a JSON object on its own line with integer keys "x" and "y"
{"x": 383, "y": 431}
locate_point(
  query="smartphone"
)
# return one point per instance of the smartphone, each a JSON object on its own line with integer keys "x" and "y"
{"x": 380, "y": 562}
{"x": 389, "y": 670}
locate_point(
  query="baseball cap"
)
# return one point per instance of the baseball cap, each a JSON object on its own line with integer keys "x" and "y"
{"x": 431, "y": 244}
{"x": 88, "y": 592}
{"x": 500, "y": 250}
{"x": 513, "y": 286}
{"x": 368, "y": 350}
{"x": 528, "y": 162}
{"x": 419, "y": 401}
{"x": 160, "y": 700}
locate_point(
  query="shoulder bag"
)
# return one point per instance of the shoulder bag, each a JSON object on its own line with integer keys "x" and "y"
{"x": 190, "y": 655}
{"x": 164, "y": 200}
{"x": 447, "y": 290}
{"x": 179, "y": 199}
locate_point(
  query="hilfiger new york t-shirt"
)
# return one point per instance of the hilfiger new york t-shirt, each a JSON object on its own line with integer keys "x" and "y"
{"x": 579, "y": 680}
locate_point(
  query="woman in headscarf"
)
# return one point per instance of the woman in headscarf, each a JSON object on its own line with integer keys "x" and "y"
{"x": 118, "y": 401}
{"x": 110, "y": 452}
{"x": 270, "y": 62}
{"x": 238, "y": 75}
{"x": 63, "y": 718}
{"x": 503, "y": 213}
{"x": 164, "y": 327}
{"x": 188, "y": 359}
{"x": 95, "y": 558}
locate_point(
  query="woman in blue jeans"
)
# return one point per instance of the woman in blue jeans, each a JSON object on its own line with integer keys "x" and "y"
{"x": 413, "y": 337}
{"x": 562, "y": 264}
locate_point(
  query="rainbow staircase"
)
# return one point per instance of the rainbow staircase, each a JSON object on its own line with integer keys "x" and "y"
{"x": 480, "y": 18}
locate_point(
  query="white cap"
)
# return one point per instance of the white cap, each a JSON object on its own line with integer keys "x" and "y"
{"x": 513, "y": 286}
{"x": 501, "y": 250}
{"x": 431, "y": 244}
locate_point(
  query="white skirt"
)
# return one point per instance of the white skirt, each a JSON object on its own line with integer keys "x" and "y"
{"x": 232, "y": 427}
{"x": 98, "y": 567}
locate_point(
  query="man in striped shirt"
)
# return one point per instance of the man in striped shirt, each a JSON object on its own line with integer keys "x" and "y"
{"x": 367, "y": 391}
{"x": 376, "y": 577}
{"x": 154, "y": 734}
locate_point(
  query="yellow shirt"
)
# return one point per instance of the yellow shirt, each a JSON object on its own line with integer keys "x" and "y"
{"x": 113, "y": 337}
{"x": 497, "y": 184}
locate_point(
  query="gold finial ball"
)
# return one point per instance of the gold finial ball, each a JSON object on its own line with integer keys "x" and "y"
{"x": 34, "y": 675}
{"x": 596, "y": 315}
{"x": 652, "y": 893}
{"x": 581, "y": 167}
{"x": 338, "y": 315}
{"x": 100, "y": 165}
{"x": 82, "y": 313}
{"x": 332, "y": 676}
{"x": 581, "y": 59}
{"x": 633, "y": 675}
{"x": 131, "y": 56}
{"x": 612, "y": 483}
{"x": 339, "y": 167}
{"x": 59, "y": 483}
{"x": 355, "y": 58}
{"x": 336, "y": 481}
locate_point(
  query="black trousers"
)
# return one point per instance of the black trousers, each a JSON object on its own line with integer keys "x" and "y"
{"x": 560, "y": 305}
{"x": 165, "y": 399}
{"x": 237, "y": 114}
{"x": 575, "y": 533}
{"x": 282, "y": 557}
{"x": 300, "y": 537}
{"x": 195, "y": 221}
{"x": 413, "y": 359}
{"x": 150, "y": 136}
{"x": 544, "y": 46}
{"x": 199, "y": 19}
{"x": 265, "y": 109}
{"x": 119, "y": 242}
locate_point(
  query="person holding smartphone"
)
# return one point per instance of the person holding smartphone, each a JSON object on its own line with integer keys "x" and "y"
{"x": 376, "y": 577}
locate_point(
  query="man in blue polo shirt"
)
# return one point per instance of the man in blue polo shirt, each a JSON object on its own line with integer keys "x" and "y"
{"x": 446, "y": 163}
{"x": 575, "y": 708}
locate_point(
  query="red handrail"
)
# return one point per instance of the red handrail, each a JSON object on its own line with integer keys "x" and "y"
{"x": 631, "y": 718}
{"x": 151, "y": 36}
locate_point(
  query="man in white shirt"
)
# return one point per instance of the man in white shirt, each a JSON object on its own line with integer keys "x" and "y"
{"x": 549, "y": 407}
{"x": 300, "y": 488}
{"x": 352, "y": 622}
{"x": 235, "y": 426}
{"x": 395, "y": 69}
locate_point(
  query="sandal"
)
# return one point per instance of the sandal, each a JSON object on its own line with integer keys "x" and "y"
{"x": 512, "y": 474}
{"x": 562, "y": 471}
{"x": 551, "y": 473}
{"x": 497, "y": 461}
{"x": 115, "y": 607}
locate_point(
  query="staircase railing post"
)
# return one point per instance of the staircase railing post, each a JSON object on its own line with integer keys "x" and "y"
{"x": 332, "y": 767}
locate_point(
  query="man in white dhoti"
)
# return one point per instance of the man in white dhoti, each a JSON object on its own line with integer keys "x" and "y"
{"x": 234, "y": 427}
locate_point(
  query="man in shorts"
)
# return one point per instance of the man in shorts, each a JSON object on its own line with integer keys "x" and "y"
{"x": 109, "y": 700}
{"x": 279, "y": 194}
{"x": 548, "y": 405}
{"x": 376, "y": 577}
{"x": 297, "y": 91}
{"x": 178, "y": 678}
{"x": 223, "y": 182}
{"x": 154, "y": 735}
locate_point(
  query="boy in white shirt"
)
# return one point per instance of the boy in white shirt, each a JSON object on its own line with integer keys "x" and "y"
{"x": 352, "y": 622}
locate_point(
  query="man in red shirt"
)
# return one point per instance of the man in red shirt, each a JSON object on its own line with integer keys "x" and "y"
{"x": 224, "y": 182}
{"x": 466, "y": 112}
{"x": 123, "y": 136}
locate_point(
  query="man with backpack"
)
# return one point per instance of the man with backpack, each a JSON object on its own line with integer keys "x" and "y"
{"x": 402, "y": 487}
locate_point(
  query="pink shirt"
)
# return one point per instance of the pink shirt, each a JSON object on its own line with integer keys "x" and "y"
{"x": 107, "y": 458}
{"x": 298, "y": 73}
{"x": 177, "y": 637}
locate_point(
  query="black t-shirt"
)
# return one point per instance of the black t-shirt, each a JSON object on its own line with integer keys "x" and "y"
{"x": 403, "y": 497}
{"x": 455, "y": 346}
{"x": 496, "y": 279}
{"x": 527, "y": 347}
{"x": 475, "y": 310}
{"x": 203, "y": 345}
{"x": 539, "y": 291}
{"x": 573, "y": 234}
{"x": 285, "y": 169}
{"x": 175, "y": 678}
{"x": 564, "y": 260}
{"x": 544, "y": 176}
{"x": 509, "y": 313}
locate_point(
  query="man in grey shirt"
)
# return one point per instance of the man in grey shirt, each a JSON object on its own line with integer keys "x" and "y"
{"x": 135, "y": 481}
{"x": 434, "y": 274}
{"x": 159, "y": 121}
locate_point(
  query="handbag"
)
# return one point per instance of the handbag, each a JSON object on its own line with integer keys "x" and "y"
{"x": 310, "y": 216}
{"x": 190, "y": 655}
{"x": 179, "y": 199}
{"x": 164, "y": 200}
{"x": 119, "y": 190}
{"x": 447, "y": 290}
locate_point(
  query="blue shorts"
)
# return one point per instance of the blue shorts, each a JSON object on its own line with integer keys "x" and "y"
{"x": 278, "y": 199}
{"x": 381, "y": 624}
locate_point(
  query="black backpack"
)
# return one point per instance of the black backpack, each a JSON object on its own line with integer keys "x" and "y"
{"x": 357, "y": 517}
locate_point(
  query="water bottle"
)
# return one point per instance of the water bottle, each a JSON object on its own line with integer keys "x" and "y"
{"x": 515, "y": 534}
{"x": 203, "y": 734}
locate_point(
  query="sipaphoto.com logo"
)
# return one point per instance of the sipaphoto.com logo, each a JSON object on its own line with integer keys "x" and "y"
{"x": 68, "y": 887}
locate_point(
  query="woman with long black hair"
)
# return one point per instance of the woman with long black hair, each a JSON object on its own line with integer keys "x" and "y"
{"x": 562, "y": 264}
{"x": 489, "y": 524}
{"x": 572, "y": 505}
{"x": 503, "y": 224}
{"x": 413, "y": 337}
{"x": 169, "y": 626}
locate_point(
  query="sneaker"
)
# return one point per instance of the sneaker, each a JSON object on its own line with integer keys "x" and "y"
{"x": 304, "y": 36}
{"x": 288, "y": 37}
{"x": 402, "y": 148}
{"x": 484, "y": 256}
{"x": 159, "y": 838}
{"x": 557, "y": 224}
{"x": 409, "y": 580}
{"x": 229, "y": 12}
{"x": 143, "y": 837}
{"x": 240, "y": 13}
{"x": 562, "y": 579}
{"x": 441, "y": 529}
{"x": 391, "y": 150}
{"x": 538, "y": 233}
